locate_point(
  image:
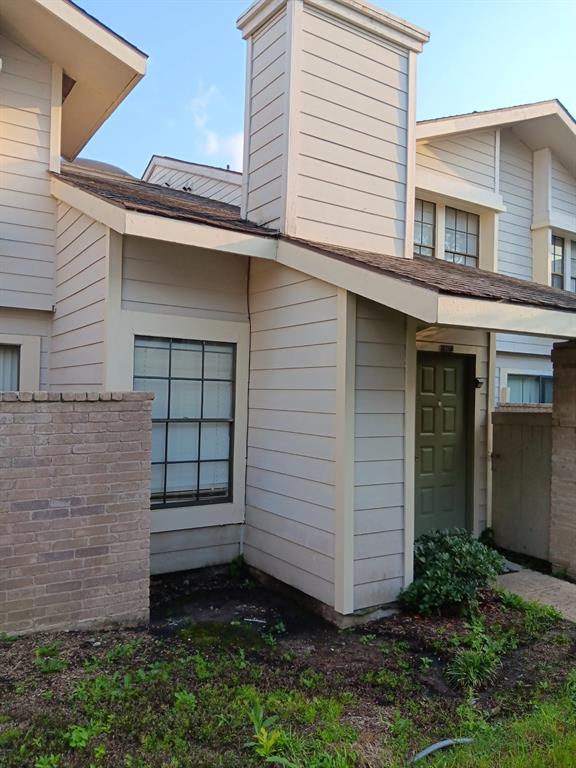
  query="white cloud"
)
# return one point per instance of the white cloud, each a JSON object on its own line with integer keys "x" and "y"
{"x": 225, "y": 149}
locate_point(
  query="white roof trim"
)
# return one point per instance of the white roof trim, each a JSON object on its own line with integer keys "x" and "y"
{"x": 474, "y": 121}
{"x": 456, "y": 189}
{"x": 163, "y": 228}
{"x": 199, "y": 169}
{"x": 392, "y": 292}
{"x": 427, "y": 305}
{"x": 359, "y": 14}
{"x": 508, "y": 318}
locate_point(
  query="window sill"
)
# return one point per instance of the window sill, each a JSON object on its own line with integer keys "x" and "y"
{"x": 196, "y": 516}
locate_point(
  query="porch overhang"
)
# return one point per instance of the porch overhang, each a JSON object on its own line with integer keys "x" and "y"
{"x": 506, "y": 318}
{"x": 435, "y": 292}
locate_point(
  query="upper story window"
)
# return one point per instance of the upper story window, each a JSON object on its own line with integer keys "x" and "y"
{"x": 573, "y": 266}
{"x": 557, "y": 262}
{"x": 461, "y": 237}
{"x": 192, "y": 418}
{"x": 424, "y": 228}
{"x": 9, "y": 368}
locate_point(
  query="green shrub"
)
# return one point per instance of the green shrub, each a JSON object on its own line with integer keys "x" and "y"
{"x": 450, "y": 568}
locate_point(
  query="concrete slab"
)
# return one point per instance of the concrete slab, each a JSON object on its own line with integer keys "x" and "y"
{"x": 541, "y": 588}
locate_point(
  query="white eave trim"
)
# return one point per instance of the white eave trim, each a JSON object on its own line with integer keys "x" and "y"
{"x": 162, "y": 228}
{"x": 92, "y": 29}
{"x": 491, "y": 119}
{"x": 208, "y": 171}
{"x": 508, "y": 318}
{"x": 449, "y": 187}
{"x": 354, "y": 12}
{"x": 392, "y": 292}
{"x": 561, "y": 223}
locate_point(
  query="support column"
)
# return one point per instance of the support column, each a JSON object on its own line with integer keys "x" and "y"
{"x": 563, "y": 486}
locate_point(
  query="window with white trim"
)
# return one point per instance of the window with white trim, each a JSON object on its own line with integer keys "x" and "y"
{"x": 572, "y": 286}
{"x": 525, "y": 388}
{"x": 424, "y": 228}
{"x": 9, "y": 368}
{"x": 557, "y": 262}
{"x": 461, "y": 237}
{"x": 192, "y": 418}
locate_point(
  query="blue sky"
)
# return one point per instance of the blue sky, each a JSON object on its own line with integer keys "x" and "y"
{"x": 482, "y": 54}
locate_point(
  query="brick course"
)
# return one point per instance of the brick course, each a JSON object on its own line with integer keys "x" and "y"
{"x": 74, "y": 509}
{"x": 563, "y": 494}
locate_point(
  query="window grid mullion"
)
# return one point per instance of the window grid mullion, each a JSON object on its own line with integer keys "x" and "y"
{"x": 167, "y": 427}
{"x": 200, "y": 424}
{"x": 178, "y": 498}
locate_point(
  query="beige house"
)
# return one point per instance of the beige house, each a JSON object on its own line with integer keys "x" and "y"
{"x": 322, "y": 383}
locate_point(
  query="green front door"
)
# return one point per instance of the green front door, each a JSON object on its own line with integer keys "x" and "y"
{"x": 443, "y": 383}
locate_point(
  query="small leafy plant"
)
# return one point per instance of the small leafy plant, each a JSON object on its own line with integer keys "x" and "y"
{"x": 46, "y": 658}
{"x": 185, "y": 700}
{"x": 451, "y": 568}
{"x": 202, "y": 667}
{"x": 478, "y": 658}
{"x": 77, "y": 737}
{"x": 265, "y": 738}
{"x": 47, "y": 761}
{"x": 538, "y": 618}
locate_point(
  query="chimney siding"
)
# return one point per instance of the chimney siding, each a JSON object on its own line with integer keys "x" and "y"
{"x": 330, "y": 123}
{"x": 266, "y": 124}
{"x": 351, "y": 152}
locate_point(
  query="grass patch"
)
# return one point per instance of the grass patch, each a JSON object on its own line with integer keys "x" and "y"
{"x": 546, "y": 738}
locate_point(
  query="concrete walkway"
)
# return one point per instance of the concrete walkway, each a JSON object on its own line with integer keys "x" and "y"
{"x": 542, "y": 589}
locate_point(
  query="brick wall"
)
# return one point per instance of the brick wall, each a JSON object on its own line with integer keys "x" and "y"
{"x": 563, "y": 495}
{"x": 74, "y": 509}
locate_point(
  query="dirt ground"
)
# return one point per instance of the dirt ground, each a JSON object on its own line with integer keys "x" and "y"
{"x": 229, "y": 643}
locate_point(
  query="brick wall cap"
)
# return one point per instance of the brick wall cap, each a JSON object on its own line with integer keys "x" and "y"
{"x": 67, "y": 397}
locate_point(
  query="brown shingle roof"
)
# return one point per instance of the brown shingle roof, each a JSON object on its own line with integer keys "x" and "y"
{"x": 446, "y": 278}
{"x": 433, "y": 274}
{"x": 136, "y": 195}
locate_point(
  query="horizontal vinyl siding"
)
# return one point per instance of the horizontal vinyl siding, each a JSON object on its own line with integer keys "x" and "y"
{"x": 195, "y": 548}
{"x": 523, "y": 345}
{"x": 27, "y": 211}
{"x": 181, "y": 280}
{"x": 514, "y": 224}
{"x": 475, "y": 342}
{"x": 530, "y": 365}
{"x": 267, "y": 123}
{"x": 77, "y": 347}
{"x": 563, "y": 188}
{"x": 197, "y": 184}
{"x": 468, "y": 157}
{"x": 379, "y": 455}
{"x": 351, "y": 182}
{"x": 26, "y": 322}
{"x": 291, "y": 433}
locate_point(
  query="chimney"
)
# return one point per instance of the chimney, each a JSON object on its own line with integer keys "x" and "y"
{"x": 329, "y": 140}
